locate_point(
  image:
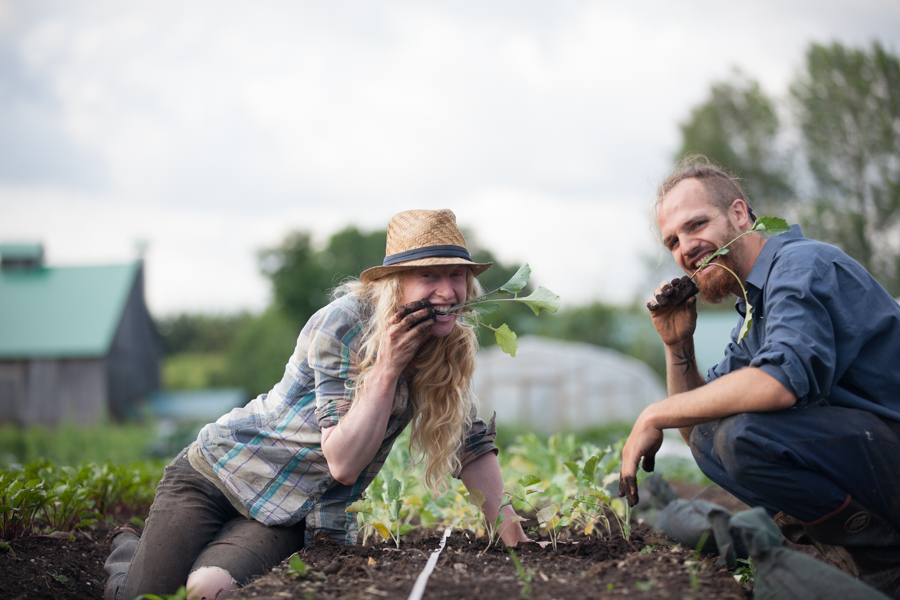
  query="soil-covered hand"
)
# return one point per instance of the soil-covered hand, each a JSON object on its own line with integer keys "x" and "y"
{"x": 674, "y": 310}
{"x": 643, "y": 442}
{"x": 407, "y": 330}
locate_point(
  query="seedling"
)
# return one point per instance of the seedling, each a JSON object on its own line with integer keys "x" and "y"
{"x": 388, "y": 513}
{"x": 540, "y": 299}
{"x": 746, "y": 573}
{"x": 524, "y": 575}
{"x": 594, "y": 497}
{"x": 296, "y": 567}
{"x": 552, "y": 518}
{"x": 492, "y": 529}
{"x": 679, "y": 290}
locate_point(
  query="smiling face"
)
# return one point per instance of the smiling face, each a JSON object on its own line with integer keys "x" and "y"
{"x": 693, "y": 227}
{"x": 443, "y": 285}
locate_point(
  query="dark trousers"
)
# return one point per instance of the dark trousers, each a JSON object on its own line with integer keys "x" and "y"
{"x": 193, "y": 525}
{"x": 804, "y": 461}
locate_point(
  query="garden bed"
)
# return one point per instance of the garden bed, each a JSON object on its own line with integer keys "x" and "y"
{"x": 646, "y": 566}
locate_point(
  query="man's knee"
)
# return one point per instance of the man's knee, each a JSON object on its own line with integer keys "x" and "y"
{"x": 734, "y": 441}
{"x": 210, "y": 583}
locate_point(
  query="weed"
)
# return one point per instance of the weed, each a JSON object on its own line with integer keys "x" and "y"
{"x": 746, "y": 573}
{"x": 296, "y": 568}
{"x": 525, "y": 575}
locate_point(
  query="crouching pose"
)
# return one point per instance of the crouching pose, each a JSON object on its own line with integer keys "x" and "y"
{"x": 802, "y": 416}
{"x": 260, "y": 482}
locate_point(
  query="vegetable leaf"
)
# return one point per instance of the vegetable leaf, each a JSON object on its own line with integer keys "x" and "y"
{"x": 541, "y": 299}
{"x": 486, "y": 308}
{"x": 506, "y": 337}
{"x": 476, "y": 498}
{"x": 527, "y": 480}
{"x": 382, "y": 530}
{"x": 518, "y": 281}
{"x": 772, "y": 225}
{"x": 748, "y": 321}
{"x": 360, "y": 506}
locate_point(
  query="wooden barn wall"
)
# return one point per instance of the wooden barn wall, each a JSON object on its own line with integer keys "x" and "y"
{"x": 133, "y": 361}
{"x": 52, "y": 391}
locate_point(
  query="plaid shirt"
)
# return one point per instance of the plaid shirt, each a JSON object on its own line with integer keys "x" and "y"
{"x": 268, "y": 454}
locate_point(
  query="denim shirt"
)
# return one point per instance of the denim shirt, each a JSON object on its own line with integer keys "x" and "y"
{"x": 268, "y": 454}
{"x": 822, "y": 326}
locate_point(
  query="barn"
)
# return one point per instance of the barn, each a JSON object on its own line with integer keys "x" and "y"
{"x": 77, "y": 344}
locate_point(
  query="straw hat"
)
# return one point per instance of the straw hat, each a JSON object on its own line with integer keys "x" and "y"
{"x": 419, "y": 238}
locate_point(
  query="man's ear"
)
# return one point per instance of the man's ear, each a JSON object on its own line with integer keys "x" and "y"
{"x": 740, "y": 211}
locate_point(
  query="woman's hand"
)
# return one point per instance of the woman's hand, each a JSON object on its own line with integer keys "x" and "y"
{"x": 407, "y": 330}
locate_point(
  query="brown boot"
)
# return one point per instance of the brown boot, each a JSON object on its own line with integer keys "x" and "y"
{"x": 872, "y": 543}
{"x": 836, "y": 556}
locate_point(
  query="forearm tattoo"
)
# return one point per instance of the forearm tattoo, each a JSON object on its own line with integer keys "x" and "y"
{"x": 687, "y": 361}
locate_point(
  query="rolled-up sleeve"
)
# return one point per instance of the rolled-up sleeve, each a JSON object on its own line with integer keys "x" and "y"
{"x": 479, "y": 440}
{"x": 798, "y": 345}
{"x": 333, "y": 360}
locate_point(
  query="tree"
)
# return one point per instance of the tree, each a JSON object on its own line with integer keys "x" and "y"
{"x": 847, "y": 104}
{"x": 737, "y": 127}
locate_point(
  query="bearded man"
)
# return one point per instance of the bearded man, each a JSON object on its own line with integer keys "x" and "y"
{"x": 802, "y": 416}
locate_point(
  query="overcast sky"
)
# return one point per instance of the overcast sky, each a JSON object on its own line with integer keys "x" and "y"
{"x": 210, "y": 129}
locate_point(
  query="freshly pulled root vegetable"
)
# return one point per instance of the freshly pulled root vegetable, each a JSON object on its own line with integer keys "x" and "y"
{"x": 679, "y": 291}
{"x": 408, "y": 309}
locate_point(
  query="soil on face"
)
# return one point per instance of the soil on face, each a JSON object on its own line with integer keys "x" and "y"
{"x": 646, "y": 566}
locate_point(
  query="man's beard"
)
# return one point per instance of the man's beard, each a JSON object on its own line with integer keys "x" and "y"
{"x": 716, "y": 283}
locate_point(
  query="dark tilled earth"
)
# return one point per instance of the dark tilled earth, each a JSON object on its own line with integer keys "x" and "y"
{"x": 646, "y": 566}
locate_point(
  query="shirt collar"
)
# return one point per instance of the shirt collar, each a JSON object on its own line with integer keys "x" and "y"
{"x": 760, "y": 270}
{"x": 759, "y": 273}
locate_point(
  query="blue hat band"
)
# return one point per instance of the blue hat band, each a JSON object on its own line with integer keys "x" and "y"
{"x": 447, "y": 251}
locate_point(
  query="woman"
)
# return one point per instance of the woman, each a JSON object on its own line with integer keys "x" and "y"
{"x": 260, "y": 482}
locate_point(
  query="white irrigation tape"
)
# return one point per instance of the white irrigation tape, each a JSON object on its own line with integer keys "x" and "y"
{"x": 422, "y": 579}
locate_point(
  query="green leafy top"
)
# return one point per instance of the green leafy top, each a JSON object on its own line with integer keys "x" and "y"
{"x": 771, "y": 225}
{"x": 540, "y": 299}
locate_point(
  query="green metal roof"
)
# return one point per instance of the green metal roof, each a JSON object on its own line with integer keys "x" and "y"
{"x": 62, "y": 311}
{"x": 21, "y": 251}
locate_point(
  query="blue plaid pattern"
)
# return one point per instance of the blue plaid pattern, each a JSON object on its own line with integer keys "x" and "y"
{"x": 269, "y": 454}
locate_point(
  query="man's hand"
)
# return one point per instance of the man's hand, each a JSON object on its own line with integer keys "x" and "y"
{"x": 674, "y": 322}
{"x": 644, "y": 442}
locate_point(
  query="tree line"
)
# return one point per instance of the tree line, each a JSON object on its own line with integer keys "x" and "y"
{"x": 826, "y": 155}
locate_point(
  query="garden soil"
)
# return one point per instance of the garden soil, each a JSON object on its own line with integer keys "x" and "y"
{"x": 646, "y": 566}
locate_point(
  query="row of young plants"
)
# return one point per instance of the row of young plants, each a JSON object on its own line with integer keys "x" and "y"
{"x": 563, "y": 482}
{"x": 42, "y": 498}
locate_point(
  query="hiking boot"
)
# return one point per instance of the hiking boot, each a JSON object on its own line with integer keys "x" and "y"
{"x": 872, "y": 543}
{"x": 114, "y": 538}
{"x": 793, "y": 531}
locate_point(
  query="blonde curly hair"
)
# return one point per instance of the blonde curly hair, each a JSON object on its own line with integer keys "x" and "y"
{"x": 440, "y": 389}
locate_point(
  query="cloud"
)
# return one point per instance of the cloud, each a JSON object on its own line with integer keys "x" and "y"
{"x": 214, "y": 128}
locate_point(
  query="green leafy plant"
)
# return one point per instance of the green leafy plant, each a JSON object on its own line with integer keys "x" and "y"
{"x": 540, "y": 299}
{"x": 69, "y": 507}
{"x": 552, "y": 518}
{"x": 20, "y": 502}
{"x": 383, "y": 516}
{"x": 180, "y": 594}
{"x": 491, "y": 529}
{"x": 525, "y": 575}
{"x": 296, "y": 567}
{"x": 772, "y": 225}
{"x": 746, "y": 573}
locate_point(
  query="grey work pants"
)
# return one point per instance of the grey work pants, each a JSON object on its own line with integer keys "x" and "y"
{"x": 193, "y": 525}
